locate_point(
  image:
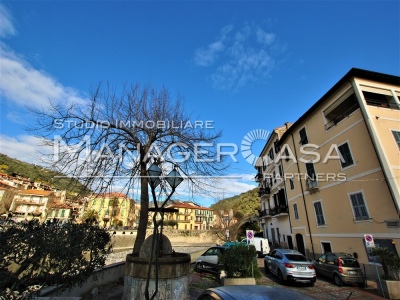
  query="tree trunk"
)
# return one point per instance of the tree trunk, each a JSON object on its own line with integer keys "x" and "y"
{"x": 144, "y": 209}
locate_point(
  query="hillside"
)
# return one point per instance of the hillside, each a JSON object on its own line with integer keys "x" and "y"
{"x": 244, "y": 204}
{"x": 11, "y": 166}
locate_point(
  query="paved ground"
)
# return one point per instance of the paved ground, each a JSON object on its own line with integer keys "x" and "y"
{"x": 324, "y": 289}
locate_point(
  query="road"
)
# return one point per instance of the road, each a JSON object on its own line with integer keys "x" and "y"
{"x": 324, "y": 289}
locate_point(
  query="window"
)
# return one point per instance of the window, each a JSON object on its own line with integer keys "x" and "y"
{"x": 319, "y": 213}
{"x": 310, "y": 170}
{"x": 303, "y": 136}
{"x": 396, "y": 135}
{"x": 359, "y": 208}
{"x": 276, "y": 147}
{"x": 346, "y": 159}
{"x": 381, "y": 99}
{"x": 296, "y": 211}
{"x": 340, "y": 110}
{"x": 271, "y": 154}
{"x": 291, "y": 182}
{"x": 286, "y": 151}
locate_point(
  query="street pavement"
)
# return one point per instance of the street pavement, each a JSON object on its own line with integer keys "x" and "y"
{"x": 324, "y": 289}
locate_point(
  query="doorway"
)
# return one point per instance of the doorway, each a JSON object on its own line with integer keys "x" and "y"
{"x": 326, "y": 247}
{"x": 300, "y": 244}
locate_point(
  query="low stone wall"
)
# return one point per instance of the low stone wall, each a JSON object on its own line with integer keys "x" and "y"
{"x": 114, "y": 270}
{"x": 105, "y": 275}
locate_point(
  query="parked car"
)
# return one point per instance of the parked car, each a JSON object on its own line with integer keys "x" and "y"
{"x": 341, "y": 267}
{"x": 261, "y": 244}
{"x": 209, "y": 259}
{"x": 253, "y": 292}
{"x": 230, "y": 244}
{"x": 290, "y": 265}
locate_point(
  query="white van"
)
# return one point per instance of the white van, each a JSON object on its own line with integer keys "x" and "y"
{"x": 261, "y": 244}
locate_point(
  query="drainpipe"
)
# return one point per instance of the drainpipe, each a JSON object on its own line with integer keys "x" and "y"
{"x": 304, "y": 199}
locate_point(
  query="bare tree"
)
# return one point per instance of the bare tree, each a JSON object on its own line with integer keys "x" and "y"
{"x": 113, "y": 137}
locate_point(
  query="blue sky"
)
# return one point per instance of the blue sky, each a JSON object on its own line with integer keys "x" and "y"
{"x": 245, "y": 65}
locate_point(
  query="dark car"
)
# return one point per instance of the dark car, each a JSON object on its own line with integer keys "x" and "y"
{"x": 290, "y": 265}
{"x": 251, "y": 292}
{"x": 341, "y": 267}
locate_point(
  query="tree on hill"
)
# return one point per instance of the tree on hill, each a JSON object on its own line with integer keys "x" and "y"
{"x": 113, "y": 138}
{"x": 245, "y": 209}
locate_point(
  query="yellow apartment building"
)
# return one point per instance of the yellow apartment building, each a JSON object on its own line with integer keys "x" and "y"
{"x": 114, "y": 209}
{"x": 191, "y": 216}
{"x": 341, "y": 165}
{"x": 274, "y": 213}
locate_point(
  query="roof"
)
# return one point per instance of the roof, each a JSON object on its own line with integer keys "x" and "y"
{"x": 182, "y": 204}
{"x": 354, "y": 72}
{"x": 35, "y": 192}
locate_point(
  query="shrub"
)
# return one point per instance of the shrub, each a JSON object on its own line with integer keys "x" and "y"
{"x": 240, "y": 261}
{"x": 34, "y": 254}
{"x": 390, "y": 262}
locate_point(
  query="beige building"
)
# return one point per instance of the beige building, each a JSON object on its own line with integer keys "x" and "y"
{"x": 191, "y": 216}
{"x": 274, "y": 213}
{"x": 59, "y": 211}
{"x": 31, "y": 204}
{"x": 114, "y": 209}
{"x": 341, "y": 164}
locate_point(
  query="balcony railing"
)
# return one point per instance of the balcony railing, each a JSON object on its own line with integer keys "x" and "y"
{"x": 29, "y": 202}
{"x": 264, "y": 191}
{"x": 259, "y": 176}
{"x": 282, "y": 209}
{"x": 312, "y": 185}
{"x": 264, "y": 213}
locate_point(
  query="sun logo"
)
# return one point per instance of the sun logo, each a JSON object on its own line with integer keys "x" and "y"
{"x": 247, "y": 142}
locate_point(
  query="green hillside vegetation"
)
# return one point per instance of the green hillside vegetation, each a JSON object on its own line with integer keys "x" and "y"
{"x": 243, "y": 205}
{"x": 11, "y": 166}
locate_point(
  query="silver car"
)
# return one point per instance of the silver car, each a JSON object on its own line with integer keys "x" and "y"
{"x": 290, "y": 265}
{"x": 341, "y": 267}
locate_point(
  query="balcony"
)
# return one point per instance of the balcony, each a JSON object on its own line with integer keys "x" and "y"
{"x": 275, "y": 211}
{"x": 265, "y": 213}
{"x": 264, "y": 191}
{"x": 29, "y": 202}
{"x": 259, "y": 177}
{"x": 282, "y": 209}
{"x": 312, "y": 185}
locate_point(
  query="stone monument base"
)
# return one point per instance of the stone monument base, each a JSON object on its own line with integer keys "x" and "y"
{"x": 172, "y": 282}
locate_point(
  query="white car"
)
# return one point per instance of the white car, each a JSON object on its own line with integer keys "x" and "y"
{"x": 209, "y": 259}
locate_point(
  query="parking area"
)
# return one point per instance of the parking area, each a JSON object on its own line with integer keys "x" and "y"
{"x": 324, "y": 289}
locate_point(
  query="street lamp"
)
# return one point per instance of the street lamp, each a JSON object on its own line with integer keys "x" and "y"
{"x": 174, "y": 178}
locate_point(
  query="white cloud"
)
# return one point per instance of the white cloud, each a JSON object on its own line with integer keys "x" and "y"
{"x": 24, "y": 85}
{"x": 265, "y": 37}
{"x": 6, "y": 23}
{"x": 23, "y": 147}
{"x": 21, "y": 83}
{"x": 206, "y": 56}
{"x": 242, "y": 57}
